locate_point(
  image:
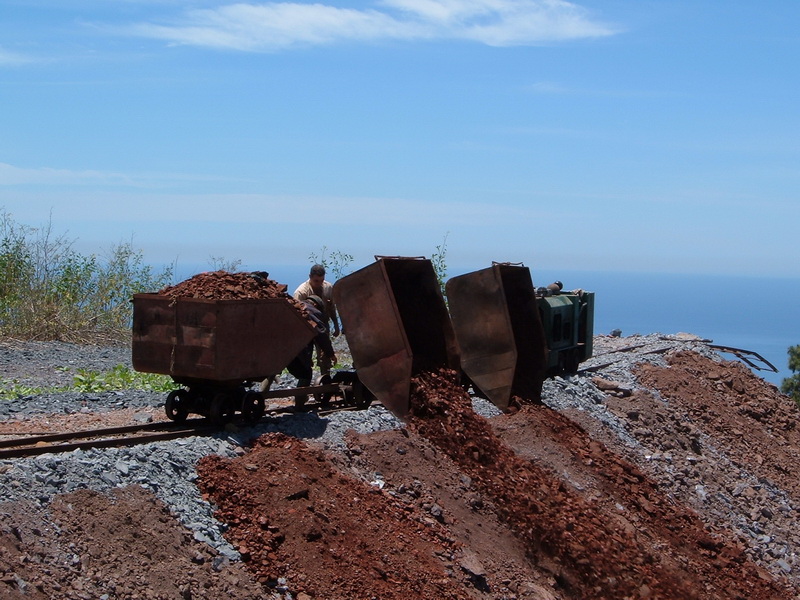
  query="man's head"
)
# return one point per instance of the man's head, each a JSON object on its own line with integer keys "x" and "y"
{"x": 555, "y": 287}
{"x": 317, "y": 276}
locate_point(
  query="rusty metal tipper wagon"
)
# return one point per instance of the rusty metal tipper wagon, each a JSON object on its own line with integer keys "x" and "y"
{"x": 215, "y": 348}
{"x": 512, "y": 336}
{"x": 396, "y": 324}
{"x": 499, "y": 331}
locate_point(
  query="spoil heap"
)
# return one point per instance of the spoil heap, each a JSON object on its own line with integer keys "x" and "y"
{"x": 659, "y": 550}
{"x": 662, "y": 472}
{"x": 304, "y": 526}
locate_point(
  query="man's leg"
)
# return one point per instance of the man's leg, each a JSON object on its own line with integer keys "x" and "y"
{"x": 300, "y": 368}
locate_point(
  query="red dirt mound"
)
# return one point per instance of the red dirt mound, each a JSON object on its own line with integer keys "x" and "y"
{"x": 224, "y": 285}
{"x": 603, "y": 531}
{"x": 666, "y": 554}
{"x": 681, "y": 484}
{"x": 297, "y": 520}
{"x": 124, "y": 544}
{"x": 744, "y": 415}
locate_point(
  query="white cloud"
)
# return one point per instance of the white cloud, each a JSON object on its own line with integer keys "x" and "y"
{"x": 273, "y": 26}
{"x": 48, "y": 176}
{"x": 12, "y": 59}
{"x": 11, "y": 175}
{"x": 77, "y": 204}
{"x": 278, "y": 25}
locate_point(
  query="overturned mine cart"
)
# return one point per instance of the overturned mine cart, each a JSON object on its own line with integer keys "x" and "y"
{"x": 499, "y": 331}
{"x": 512, "y": 336}
{"x": 396, "y": 324}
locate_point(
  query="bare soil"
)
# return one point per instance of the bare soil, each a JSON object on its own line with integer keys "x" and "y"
{"x": 535, "y": 504}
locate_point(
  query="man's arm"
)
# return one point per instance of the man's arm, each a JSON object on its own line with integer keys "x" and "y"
{"x": 335, "y": 319}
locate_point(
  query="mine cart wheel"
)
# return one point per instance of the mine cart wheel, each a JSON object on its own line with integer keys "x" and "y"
{"x": 221, "y": 410}
{"x": 362, "y": 396}
{"x": 324, "y": 399}
{"x": 252, "y": 407}
{"x": 176, "y": 405}
{"x": 346, "y": 379}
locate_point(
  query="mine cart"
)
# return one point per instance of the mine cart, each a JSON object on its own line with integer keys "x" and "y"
{"x": 512, "y": 336}
{"x": 215, "y": 349}
{"x": 499, "y": 331}
{"x": 223, "y": 351}
{"x": 396, "y": 324}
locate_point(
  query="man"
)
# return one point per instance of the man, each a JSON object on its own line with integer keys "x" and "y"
{"x": 317, "y": 286}
{"x": 302, "y": 366}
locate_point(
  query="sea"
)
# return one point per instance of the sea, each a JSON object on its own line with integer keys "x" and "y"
{"x": 759, "y": 315}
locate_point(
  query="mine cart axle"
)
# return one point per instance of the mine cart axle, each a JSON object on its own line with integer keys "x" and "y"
{"x": 220, "y": 401}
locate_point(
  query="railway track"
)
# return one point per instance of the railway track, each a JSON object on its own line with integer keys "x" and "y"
{"x": 132, "y": 435}
{"x": 749, "y": 357}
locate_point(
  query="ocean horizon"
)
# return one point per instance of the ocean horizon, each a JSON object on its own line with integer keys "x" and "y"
{"x": 761, "y": 315}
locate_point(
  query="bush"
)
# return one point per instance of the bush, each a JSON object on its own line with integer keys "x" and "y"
{"x": 336, "y": 263}
{"x": 791, "y": 385}
{"x": 48, "y": 291}
{"x": 439, "y": 262}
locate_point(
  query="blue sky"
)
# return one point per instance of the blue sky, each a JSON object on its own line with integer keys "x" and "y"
{"x": 591, "y": 135}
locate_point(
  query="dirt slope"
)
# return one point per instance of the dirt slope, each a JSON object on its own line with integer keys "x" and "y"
{"x": 686, "y": 490}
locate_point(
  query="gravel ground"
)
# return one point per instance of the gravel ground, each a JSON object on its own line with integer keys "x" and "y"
{"x": 168, "y": 468}
{"x": 723, "y": 446}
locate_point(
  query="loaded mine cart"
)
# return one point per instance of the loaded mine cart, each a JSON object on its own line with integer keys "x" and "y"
{"x": 512, "y": 336}
{"x": 220, "y": 352}
{"x": 396, "y": 323}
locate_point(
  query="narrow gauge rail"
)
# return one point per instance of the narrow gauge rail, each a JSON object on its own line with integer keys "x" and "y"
{"x": 130, "y": 435}
{"x": 746, "y": 356}
{"x": 600, "y": 366}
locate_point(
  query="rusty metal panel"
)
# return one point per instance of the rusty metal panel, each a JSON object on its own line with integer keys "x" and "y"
{"x": 375, "y": 335}
{"x": 154, "y": 335}
{"x": 397, "y": 325}
{"x": 423, "y": 312}
{"x": 529, "y": 334}
{"x": 499, "y": 332}
{"x": 217, "y": 340}
{"x": 482, "y": 326}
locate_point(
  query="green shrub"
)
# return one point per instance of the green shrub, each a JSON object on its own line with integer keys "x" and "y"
{"x": 791, "y": 385}
{"x": 439, "y": 262}
{"x": 12, "y": 390}
{"x": 49, "y": 291}
{"x": 119, "y": 377}
{"x": 336, "y": 263}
